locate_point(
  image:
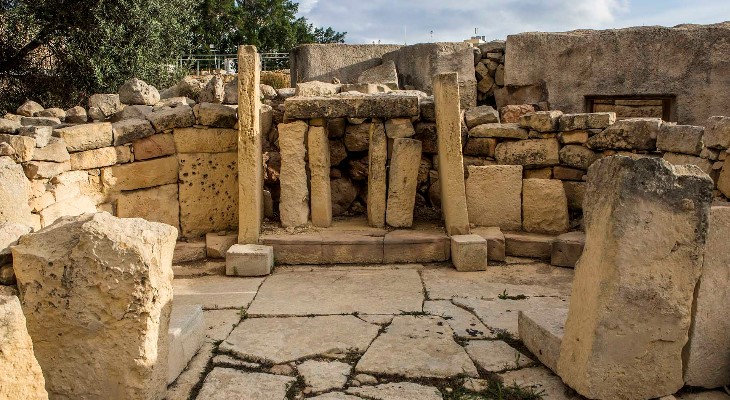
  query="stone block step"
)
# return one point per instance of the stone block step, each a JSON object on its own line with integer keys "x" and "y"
{"x": 542, "y": 332}
{"x": 532, "y": 245}
{"x": 186, "y": 334}
{"x": 359, "y": 247}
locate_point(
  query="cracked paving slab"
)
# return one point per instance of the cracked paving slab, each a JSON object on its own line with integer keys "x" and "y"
{"x": 496, "y": 355}
{"x": 281, "y": 340}
{"x": 327, "y": 292}
{"x": 502, "y": 314}
{"x": 540, "y": 380}
{"x": 397, "y": 391}
{"x": 226, "y": 383}
{"x": 216, "y": 292}
{"x": 417, "y": 347}
{"x": 464, "y": 324}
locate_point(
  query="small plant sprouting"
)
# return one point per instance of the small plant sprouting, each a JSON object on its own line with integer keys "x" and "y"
{"x": 505, "y": 296}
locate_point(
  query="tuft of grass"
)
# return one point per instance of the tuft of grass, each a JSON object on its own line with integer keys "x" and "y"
{"x": 497, "y": 391}
{"x": 505, "y": 296}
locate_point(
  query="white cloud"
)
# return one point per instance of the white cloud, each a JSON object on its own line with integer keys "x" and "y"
{"x": 306, "y": 6}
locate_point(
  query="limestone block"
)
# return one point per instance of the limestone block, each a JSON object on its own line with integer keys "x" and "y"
{"x": 377, "y": 175}
{"x": 494, "y": 196}
{"x": 352, "y": 106}
{"x": 682, "y": 159}
{"x": 317, "y": 89}
{"x": 628, "y": 134}
{"x": 9, "y": 126}
{"x": 205, "y": 140}
{"x": 480, "y": 115}
{"x": 484, "y": 147}
{"x": 531, "y": 245}
{"x": 572, "y": 122}
{"x": 9, "y": 235}
{"x": 686, "y": 139}
{"x": 41, "y": 134}
{"x": 384, "y": 73}
{"x": 294, "y": 203}
{"x": 407, "y": 246}
{"x": 505, "y": 130}
{"x": 576, "y": 156}
{"x": 129, "y": 130}
{"x": 97, "y": 287}
{"x": 723, "y": 182}
{"x": 542, "y": 121}
{"x": 218, "y": 243}
{"x": 186, "y": 334}
{"x": 96, "y": 158}
{"x": 137, "y": 91}
{"x": 427, "y": 134}
{"x": 208, "y": 192}
{"x": 567, "y": 249}
{"x": 190, "y": 250}
{"x": 154, "y": 146}
{"x": 349, "y": 248}
{"x": 575, "y": 192}
{"x": 157, "y": 204}
{"x": 86, "y": 136}
{"x": 29, "y": 108}
{"x": 717, "y": 133}
{"x": 40, "y": 121}
{"x": 144, "y": 174}
{"x": 512, "y": 113}
{"x": 24, "y": 146}
{"x": 707, "y": 361}
{"x": 399, "y": 128}
{"x": 72, "y": 206}
{"x": 102, "y": 106}
{"x": 216, "y": 115}
{"x": 76, "y": 115}
{"x": 178, "y": 117}
{"x": 633, "y": 287}
{"x": 450, "y": 157}
{"x": 565, "y": 173}
{"x": 469, "y": 252}
{"x": 402, "y": 182}
{"x": 540, "y": 173}
{"x": 573, "y": 137}
{"x": 495, "y": 241}
{"x": 45, "y": 170}
{"x": 22, "y": 377}
{"x": 14, "y": 193}
{"x": 338, "y": 152}
{"x": 249, "y": 260}
{"x": 531, "y": 153}
{"x": 319, "y": 167}
{"x": 542, "y": 332}
{"x": 544, "y": 206}
{"x": 356, "y": 137}
{"x": 55, "y": 151}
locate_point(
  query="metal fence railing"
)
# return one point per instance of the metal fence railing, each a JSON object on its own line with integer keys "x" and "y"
{"x": 229, "y": 62}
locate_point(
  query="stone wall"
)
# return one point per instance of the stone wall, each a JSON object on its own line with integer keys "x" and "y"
{"x": 325, "y": 62}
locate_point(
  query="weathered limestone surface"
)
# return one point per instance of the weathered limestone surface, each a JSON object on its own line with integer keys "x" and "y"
{"x": 450, "y": 157}
{"x": 96, "y": 158}
{"x": 249, "y": 260}
{"x": 294, "y": 205}
{"x": 97, "y": 287}
{"x": 708, "y": 351}
{"x": 24, "y": 146}
{"x": 352, "y": 106}
{"x": 322, "y": 376}
{"x": 469, "y": 252}
{"x": 402, "y": 182}
{"x": 140, "y": 175}
{"x": 157, "y": 204}
{"x": 228, "y": 383}
{"x": 377, "y": 175}
{"x": 495, "y": 241}
{"x": 186, "y": 335}
{"x": 480, "y": 115}
{"x": 631, "y": 304}
{"x": 250, "y": 159}
{"x": 205, "y": 140}
{"x": 399, "y": 390}
{"x": 129, "y": 130}
{"x": 628, "y": 134}
{"x": 153, "y": 147}
{"x": 542, "y": 332}
{"x": 544, "y": 206}
{"x": 495, "y": 130}
{"x": 496, "y": 355}
{"x": 86, "y": 136}
{"x": 316, "y": 62}
{"x": 717, "y": 135}
{"x": 494, "y": 196}
{"x": 22, "y": 377}
{"x": 686, "y": 139}
{"x": 416, "y": 347}
{"x": 319, "y": 168}
{"x": 567, "y": 249}
{"x": 542, "y": 121}
{"x": 531, "y": 153}
{"x": 464, "y": 324}
{"x": 14, "y": 193}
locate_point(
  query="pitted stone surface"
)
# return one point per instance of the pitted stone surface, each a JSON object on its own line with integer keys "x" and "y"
{"x": 227, "y": 383}
{"x": 397, "y": 391}
{"x": 464, "y": 324}
{"x": 280, "y": 340}
{"x": 502, "y": 315}
{"x": 417, "y": 347}
{"x": 496, "y": 355}
{"x": 321, "y": 376}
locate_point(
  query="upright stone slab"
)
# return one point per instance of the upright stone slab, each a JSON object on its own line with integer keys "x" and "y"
{"x": 403, "y": 180}
{"x": 250, "y": 162}
{"x": 97, "y": 295}
{"x": 451, "y": 159}
{"x": 494, "y": 196}
{"x": 630, "y": 309}
{"x": 22, "y": 377}
{"x": 377, "y": 185}
{"x": 319, "y": 170}
{"x": 294, "y": 203}
{"x": 708, "y": 352}
{"x": 14, "y": 192}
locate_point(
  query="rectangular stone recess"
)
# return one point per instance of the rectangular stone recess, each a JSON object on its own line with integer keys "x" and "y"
{"x": 649, "y": 106}
{"x": 250, "y": 158}
{"x": 353, "y": 106}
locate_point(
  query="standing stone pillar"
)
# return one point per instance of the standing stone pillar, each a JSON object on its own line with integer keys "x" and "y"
{"x": 451, "y": 159}
{"x": 250, "y": 159}
{"x": 404, "y": 165}
{"x": 319, "y": 170}
{"x": 294, "y": 201}
{"x": 377, "y": 174}
{"x": 631, "y": 305}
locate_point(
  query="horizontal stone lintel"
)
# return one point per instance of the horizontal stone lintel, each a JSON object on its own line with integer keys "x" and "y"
{"x": 353, "y": 106}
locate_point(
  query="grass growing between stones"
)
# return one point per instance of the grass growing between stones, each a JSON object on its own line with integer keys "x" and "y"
{"x": 496, "y": 391}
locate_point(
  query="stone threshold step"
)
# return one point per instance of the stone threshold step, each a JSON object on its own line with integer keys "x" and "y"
{"x": 359, "y": 247}
{"x": 186, "y": 335}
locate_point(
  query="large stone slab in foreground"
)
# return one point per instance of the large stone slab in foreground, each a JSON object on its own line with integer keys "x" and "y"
{"x": 630, "y": 311}
{"x": 340, "y": 292}
{"x": 97, "y": 287}
{"x": 228, "y": 383}
{"x": 280, "y": 340}
{"x": 352, "y": 106}
{"x": 417, "y": 347}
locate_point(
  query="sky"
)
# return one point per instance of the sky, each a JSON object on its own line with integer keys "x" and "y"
{"x": 413, "y": 21}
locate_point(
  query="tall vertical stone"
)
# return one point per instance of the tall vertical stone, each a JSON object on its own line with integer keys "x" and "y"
{"x": 14, "y": 191}
{"x": 97, "y": 296}
{"x": 451, "y": 159}
{"x": 294, "y": 202}
{"x": 403, "y": 180}
{"x": 630, "y": 309}
{"x": 377, "y": 175}
{"x": 250, "y": 162}
{"x": 707, "y": 358}
{"x": 319, "y": 171}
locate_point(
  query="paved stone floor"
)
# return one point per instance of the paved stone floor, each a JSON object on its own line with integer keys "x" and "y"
{"x": 372, "y": 332}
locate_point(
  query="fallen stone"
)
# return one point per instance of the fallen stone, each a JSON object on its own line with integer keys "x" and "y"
{"x": 416, "y": 347}
{"x": 469, "y": 252}
{"x": 647, "y": 312}
{"x": 397, "y": 391}
{"x": 323, "y": 376}
{"x": 493, "y": 130}
{"x": 249, "y": 260}
{"x": 464, "y": 324}
{"x": 136, "y": 91}
{"x": 8, "y": 126}
{"x": 76, "y": 115}
{"x": 531, "y": 153}
{"x": 281, "y": 340}
{"x": 24, "y": 146}
{"x": 717, "y": 133}
{"x": 29, "y": 108}
{"x": 628, "y": 134}
{"x": 494, "y": 196}
{"x": 686, "y": 139}
{"x": 213, "y": 91}
{"x": 496, "y": 356}
{"x": 480, "y": 115}
{"x": 226, "y": 383}
{"x": 544, "y": 206}
{"x": 103, "y": 106}
{"x": 131, "y": 315}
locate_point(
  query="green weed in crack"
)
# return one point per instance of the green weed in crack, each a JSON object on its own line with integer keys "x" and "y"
{"x": 505, "y": 296}
{"x": 496, "y": 390}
